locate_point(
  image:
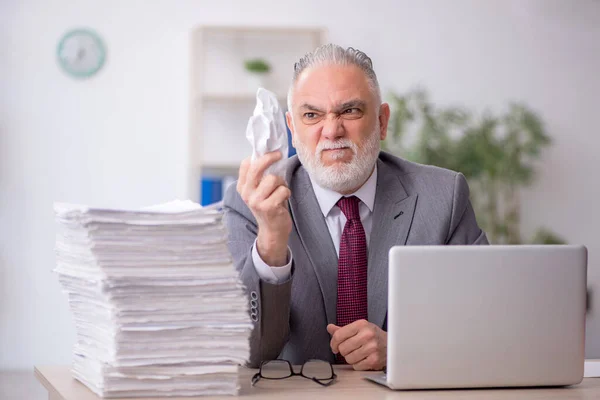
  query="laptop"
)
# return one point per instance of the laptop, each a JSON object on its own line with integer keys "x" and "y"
{"x": 485, "y": 316}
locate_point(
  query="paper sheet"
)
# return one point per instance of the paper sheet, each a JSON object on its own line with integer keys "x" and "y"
{"x": 266, "y": 130}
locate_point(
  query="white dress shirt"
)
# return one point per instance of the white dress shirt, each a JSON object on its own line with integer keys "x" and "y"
{"x": 335, "y": 219}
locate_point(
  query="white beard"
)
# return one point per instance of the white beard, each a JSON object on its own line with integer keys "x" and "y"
{"x": 342, "y": 177}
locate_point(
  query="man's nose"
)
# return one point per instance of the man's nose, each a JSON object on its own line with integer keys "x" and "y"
{"x": 333, "y": 127}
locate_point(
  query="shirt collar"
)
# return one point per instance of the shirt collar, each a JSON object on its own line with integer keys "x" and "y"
{"x": 327, "y": 198}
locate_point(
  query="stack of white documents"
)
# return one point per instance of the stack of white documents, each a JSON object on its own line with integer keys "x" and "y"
{"x": 158, "y": 305}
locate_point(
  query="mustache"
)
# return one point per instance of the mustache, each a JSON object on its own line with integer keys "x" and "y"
{"x": 336, "y": 144}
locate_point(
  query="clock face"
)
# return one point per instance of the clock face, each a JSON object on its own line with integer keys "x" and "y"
{"x": 81, "y": 53}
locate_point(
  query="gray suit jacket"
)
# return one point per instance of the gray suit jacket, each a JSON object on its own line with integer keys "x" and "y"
{"x": 414, "y": 205}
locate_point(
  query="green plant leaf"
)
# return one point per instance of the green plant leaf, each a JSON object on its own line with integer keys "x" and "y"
{"x": 545, "y": 236}
{"x": 257, "y": 65}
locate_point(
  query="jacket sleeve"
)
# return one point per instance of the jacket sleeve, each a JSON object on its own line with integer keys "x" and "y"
{"x": 269, "y": 303}
{"x": 463, "y": 225}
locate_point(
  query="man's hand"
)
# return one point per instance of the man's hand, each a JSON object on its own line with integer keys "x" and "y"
{"x": 363, "y": 344}
{"x": 267, "y": 199}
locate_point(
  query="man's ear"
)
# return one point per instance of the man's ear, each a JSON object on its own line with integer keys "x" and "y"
{"x": 384, "y": 119}
{"x": 290, "y": 124}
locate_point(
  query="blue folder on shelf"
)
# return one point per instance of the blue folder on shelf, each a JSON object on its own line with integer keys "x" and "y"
{"x": 291, "y": 149}
{"x": 211, "y": 190}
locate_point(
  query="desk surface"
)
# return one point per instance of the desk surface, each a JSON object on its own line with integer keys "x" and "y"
{"x": 349, "y": 385}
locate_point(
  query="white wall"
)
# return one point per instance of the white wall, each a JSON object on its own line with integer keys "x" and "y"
{"x": 119, "y": 139}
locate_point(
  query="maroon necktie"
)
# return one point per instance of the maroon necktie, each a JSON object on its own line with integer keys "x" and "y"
{"x": 352, "y": 266}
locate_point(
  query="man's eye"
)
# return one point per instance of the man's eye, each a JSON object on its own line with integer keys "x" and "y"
{"x": 310, "y": 115}
{"x": 352, "y": 113}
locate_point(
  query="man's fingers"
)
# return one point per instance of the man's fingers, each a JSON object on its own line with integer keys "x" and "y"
{"x": 258, "y": 167}
{"x": 350, "y": 345}
{"x": 358, "y": 352}
{"x": 331, "y": 329}
{"x": 345, "y": 333}
{"x": 280, "y": 195}
{"x": 242, "y": 175}
{"x": 257, "y": 197}
{"x": 363, "y": 365}
{"x": 374, "y": 361}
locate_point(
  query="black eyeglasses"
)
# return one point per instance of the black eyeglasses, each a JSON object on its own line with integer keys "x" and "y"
{"x": 316, "y": 370}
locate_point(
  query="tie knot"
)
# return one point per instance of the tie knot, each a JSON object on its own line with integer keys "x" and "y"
{"x": 349, "y": 206}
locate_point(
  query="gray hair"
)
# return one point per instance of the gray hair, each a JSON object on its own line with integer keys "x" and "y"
{"x": 336, "y": 55}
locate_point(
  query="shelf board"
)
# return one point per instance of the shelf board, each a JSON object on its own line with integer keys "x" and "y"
{"x": 249, "y": 29}
{"x": 220, "y": 168}
{"x": 241, "y": 96}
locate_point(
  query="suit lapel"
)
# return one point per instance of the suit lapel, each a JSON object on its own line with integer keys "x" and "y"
{"x": 392, "y": 218}
{"x": 314, "y": 235}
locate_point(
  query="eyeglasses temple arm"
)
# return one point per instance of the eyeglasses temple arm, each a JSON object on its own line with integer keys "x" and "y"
{"x": 324, "y": 383}
{"x": 255, "y": 378}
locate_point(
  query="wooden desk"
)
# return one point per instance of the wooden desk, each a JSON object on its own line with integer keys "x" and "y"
{"x": 350, "y": 385}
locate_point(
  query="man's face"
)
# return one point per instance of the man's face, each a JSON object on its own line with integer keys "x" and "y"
{"x": 337, "y": 125}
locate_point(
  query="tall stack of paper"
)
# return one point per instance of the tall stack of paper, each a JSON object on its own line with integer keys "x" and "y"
{"x": 158, "y": 306}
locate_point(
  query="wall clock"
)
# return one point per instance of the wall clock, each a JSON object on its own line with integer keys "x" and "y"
{"x": 81, "y": 53}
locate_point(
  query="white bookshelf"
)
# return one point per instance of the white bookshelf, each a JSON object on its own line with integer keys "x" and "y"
{"x": 221, "y": 96}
